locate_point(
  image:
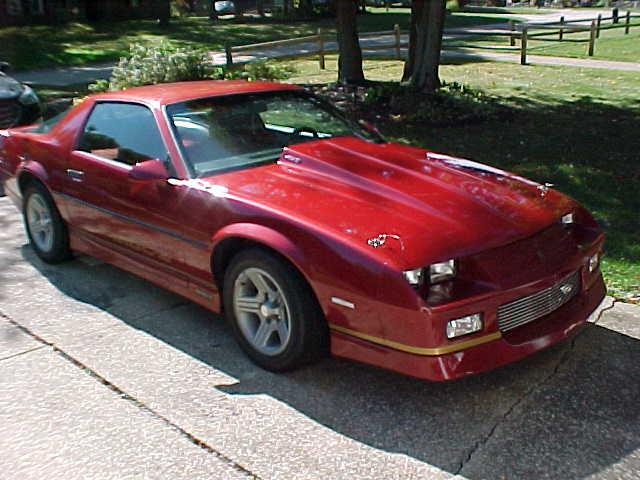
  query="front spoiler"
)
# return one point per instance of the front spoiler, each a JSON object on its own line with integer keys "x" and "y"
{"x": 510, "y": 347}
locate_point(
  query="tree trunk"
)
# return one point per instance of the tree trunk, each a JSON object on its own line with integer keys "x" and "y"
{"x": 421, "y": 70}
{"x": 164, "y": 12}
{"x": 306, "y": 8}
{"x": 416, "y": 12}
{"x": 350, "y": 58}
{"x": 260, "y": 7}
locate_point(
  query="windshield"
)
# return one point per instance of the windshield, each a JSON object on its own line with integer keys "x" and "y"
{"x": 222, "y": 133}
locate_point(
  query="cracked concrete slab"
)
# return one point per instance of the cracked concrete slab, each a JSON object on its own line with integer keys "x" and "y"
{"x": 624, "y": 318}
{"x": 14, "y": 341}
{"x": 58, "y": 422}
{"x": 582, "y": 422}
{"x": 243, "y": 427}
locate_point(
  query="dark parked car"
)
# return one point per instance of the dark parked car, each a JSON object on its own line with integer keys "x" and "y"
{"x": 19, "y": 104}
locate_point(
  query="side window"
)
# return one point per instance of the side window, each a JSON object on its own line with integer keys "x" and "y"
{"x": 123, "y": 132}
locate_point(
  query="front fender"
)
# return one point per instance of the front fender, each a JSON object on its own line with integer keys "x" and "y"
{"x": 34, "y": 169}
{"x": 267, "y": 237}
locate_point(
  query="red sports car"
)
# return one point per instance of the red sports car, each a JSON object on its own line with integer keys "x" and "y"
{"x": 307, "y": 229}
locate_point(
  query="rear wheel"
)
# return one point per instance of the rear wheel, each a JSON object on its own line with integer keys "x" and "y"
{"x": 45, "y": 228}
{"x": 272, "y": 311}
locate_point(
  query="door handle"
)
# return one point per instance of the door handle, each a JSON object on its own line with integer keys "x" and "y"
{"x": 76, "y": 175}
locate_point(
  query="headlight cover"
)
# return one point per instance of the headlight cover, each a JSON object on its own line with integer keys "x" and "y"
{"x": 415, "y": 277}
{"x": 434, "y": 273}
{"x": 28, "y": 96}
{"x": 442, "y": 271}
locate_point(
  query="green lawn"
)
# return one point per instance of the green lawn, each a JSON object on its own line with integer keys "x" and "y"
{"x": 575, "y": 128}
{"x": 81, "y": 43}
{"x": 613, "y": 44}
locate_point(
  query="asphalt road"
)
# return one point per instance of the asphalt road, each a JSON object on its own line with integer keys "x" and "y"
{"x": 103, "y": 375}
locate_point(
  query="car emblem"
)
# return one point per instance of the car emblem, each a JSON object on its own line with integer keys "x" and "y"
{"x": 544, "y": 189}
{"x": 566, "y": 289}
{"x": 381, "y": 240}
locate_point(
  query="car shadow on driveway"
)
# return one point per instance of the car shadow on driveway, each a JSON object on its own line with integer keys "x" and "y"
{"x": 568, "y": 412}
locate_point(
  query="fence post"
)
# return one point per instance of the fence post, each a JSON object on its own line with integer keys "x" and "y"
{"x": 561, "y": 32}
{"x": 512, "y": 38}
{"x": 228, "y": 54}
{"x": 321, "y": 50}
{"x": 614, "y": 15}
{"x": 396, "y": 32}
{"x": 598, "y": 25}
{"x": 592, "y": 37}
{"x": 523, "y": 46}
{"x": 627, "y": 22}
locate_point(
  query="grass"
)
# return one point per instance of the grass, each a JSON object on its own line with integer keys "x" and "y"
{"x": 613, "y": 44}
{"x": 82, "y": 43}
{"x": 575, "y": 128}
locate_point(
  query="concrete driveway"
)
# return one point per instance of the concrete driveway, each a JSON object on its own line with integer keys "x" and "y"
{"x": 103, "y": 375}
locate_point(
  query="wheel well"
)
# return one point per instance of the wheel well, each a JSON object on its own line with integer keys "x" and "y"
{"x": 223, "y": 254}
{"x": 228, "y": 248}
{"x": 25, "y": 179}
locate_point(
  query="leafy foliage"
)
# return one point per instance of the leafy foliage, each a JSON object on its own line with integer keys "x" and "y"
{"x": 452, "y": 104}
{"x": 260, "y": 70}
{"x": 162, "y": 63}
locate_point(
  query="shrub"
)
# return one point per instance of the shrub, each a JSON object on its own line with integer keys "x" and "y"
{"x": 159, "y": 63}
{"x": 260, "y": 70}
{"x": 163, "y": 63}
{"x": 452, "y": 104}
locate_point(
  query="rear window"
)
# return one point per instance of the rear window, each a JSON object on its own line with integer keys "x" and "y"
{"x": 47, "y": 125}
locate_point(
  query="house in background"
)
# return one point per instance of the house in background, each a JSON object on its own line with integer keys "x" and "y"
{"x": 22, "y": 12}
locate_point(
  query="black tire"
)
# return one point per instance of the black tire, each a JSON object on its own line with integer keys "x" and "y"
{"x": 308, "y": 338}
{"x": 59, "y": 249}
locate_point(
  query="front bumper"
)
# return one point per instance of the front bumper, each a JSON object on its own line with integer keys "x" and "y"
{"x": 506, "y": 348}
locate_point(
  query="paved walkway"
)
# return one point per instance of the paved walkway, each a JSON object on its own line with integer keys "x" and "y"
{"x": 105, "y": 376}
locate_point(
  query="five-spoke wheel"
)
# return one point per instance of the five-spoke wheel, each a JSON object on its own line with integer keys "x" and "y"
{"x": 45, "y": 228}
{"x": 272, "y": 311}
{"x": 262, "y": 311}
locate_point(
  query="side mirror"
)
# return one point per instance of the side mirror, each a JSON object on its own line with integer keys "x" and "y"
{"x": 149, "y": 170}
{"x": 5, "y": 67}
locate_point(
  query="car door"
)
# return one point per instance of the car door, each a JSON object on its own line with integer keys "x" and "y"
{"x": 137, "y": 218}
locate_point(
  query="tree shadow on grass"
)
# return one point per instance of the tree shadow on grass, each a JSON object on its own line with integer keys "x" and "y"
{"x": 572, "y": 408}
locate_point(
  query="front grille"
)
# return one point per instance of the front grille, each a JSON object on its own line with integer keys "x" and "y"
{"x": 537, "y": 305}
{"x": 9, "y": 113}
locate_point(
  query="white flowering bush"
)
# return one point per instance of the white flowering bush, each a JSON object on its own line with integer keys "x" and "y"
{"x": 159, "y": 63}
{"x": 163, "y": 63}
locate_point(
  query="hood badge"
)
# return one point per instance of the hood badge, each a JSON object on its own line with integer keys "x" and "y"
{"x": 544, "y": 188}
{"x": 381, "y": 240}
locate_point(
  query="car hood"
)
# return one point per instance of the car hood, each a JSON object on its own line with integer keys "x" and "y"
{"x": 422, "y": 207}
{"x": 9, "y": 88}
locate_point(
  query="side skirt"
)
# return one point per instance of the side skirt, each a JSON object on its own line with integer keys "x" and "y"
{"x": 176, "y": 281}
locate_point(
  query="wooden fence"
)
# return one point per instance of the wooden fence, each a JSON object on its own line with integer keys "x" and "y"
{"x": 524, "y": 34}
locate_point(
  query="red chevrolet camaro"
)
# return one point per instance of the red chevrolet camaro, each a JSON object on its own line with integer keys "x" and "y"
{"x": 307, "y": 229}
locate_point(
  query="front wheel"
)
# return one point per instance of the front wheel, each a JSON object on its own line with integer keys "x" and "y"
{"x": 272, "y": 311}
{"x": 45, "y": 228}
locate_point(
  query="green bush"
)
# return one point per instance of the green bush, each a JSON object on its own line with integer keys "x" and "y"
{"x": 163, "y": 63}
{"x": 260, "y": 70}
{"x": 159, "y": 63}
